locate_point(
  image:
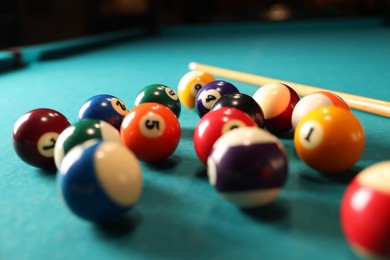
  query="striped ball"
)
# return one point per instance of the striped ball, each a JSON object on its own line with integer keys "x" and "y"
{"x": 248, "y": 167}
{"x": 277, "y": 100}
{"x": 100, "y": 182}
{"x": 313, "y": 101}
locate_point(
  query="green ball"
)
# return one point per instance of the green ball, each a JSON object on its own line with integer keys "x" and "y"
{"x": 161, "y": 94}
{"x": 83, "y": 132}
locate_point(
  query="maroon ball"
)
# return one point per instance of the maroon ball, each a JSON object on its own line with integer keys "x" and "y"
{"x": 35, "y": 134}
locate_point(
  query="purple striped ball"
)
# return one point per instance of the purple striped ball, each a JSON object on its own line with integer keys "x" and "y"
{"x": 248, "y": 167}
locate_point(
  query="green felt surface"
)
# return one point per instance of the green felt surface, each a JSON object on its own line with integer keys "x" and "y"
{"x": 179, "y": 215}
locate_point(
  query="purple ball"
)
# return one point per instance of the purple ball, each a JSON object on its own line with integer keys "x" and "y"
{"x": 248, "y": 166}
{"x": 210, "y": 93}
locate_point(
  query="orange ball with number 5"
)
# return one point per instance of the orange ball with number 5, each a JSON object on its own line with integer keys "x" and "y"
{"x": 151, "y": 131}
{"x": 329, "y": 139}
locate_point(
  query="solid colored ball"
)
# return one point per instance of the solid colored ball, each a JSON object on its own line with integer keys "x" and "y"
{"x": 313, "y": 101}
{"x": 151, "y": 131}
{"x": 190, "y": 84}
{"x": 244, "y": 103}
{"x": 160, "y": 94}
{"x": 277, "y": 100}
{"x": 35, "y": 134}
{"x": 329, "y": 139}
{"x": 82, "y": 131}
{"x": 365, "y": 212}
{"x": 248, "y": 167}
{"x": 215, "y": 124}
{"x": 211, "y": 93}
{"x": 104, "y": 107}
{"x": 100, "y": 182}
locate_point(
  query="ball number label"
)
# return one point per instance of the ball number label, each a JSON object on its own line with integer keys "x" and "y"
{"x": 119, "y": 106}
{"x": 46, "y": 144}
{"x": 171, "y": 93}
{"x": 152, "y": 125}
{"x": 311, "y": 134}
{"x": 209, "y": 97}
{"x": 307, "y": 138}
{"x": 195, "y": 88}
{"x": 231, "y": 125}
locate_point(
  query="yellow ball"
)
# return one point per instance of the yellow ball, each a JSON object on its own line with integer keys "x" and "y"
{"x": 189, "y": 86}
{"x": 329, "y": 139}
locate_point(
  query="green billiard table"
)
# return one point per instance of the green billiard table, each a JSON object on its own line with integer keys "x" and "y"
{"x": 180, "y": 215}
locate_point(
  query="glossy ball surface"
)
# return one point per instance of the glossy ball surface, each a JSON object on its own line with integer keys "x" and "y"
{"x": 313, "y": 101}
{"x": 215, "y": 124}
{"x": 329, "y": 139}
{"x": 160, "y": 94}
{"x": 244, "y": 103}
{"x": 365, "y": 212}
{"x": 248, "y": 167}
{"x": 104, "y": 107}
{"x": 35, "y": 134}
{"x": 87, "y": 130}
{"x": 277, "y": 101}
{"x": 100, "y": 182}
{"x": 211, "y": 93}
{"x": 151, "y": 131}
{"x": 190, "y": 84}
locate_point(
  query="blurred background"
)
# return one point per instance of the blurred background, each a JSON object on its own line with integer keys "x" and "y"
{"x": 28, "y": 22}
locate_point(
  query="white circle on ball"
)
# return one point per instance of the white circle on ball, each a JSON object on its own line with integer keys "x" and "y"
{"x": 231, "y": 125}
{"x": 46, "y": 144}
{"x": 311, "y": 134}
{"x": 152, "y": 125}
{"x": 119, "y": 106}
{"x": 209, "y": 97}
{"x": 196, "y": 86}
{"x": 171, "y": 93}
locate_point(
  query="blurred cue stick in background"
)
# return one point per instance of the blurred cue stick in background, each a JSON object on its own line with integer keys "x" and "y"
{"x": 370, "y": 105}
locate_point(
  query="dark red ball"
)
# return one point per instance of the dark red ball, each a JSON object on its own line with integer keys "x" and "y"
{"x": 35, "y": 134}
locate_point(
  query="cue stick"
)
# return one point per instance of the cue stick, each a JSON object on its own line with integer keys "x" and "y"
{"x": 370, "y": 105}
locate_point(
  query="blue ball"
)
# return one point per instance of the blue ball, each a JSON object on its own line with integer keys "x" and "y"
{"x": 101, "y": 181}
{"x": 104, "y": 107}
{"x": 211, "y": 93}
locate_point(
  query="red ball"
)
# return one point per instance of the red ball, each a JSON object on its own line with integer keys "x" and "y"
{"x": 151, "y": 131}
{"x": 365, "y": 212}
{"x": 277, "y": 101}
{"x": 216, "y": 123}
{"x": 35, "y": 134}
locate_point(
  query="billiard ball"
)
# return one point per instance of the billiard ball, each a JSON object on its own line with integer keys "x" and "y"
{"x": 100, "y": 182}
{"x": 277, "y": 100}
{"x": 315, "y": 100}
{"x": 35, "y": 134}
{"x": 190, "y": 84}
{"x": 243, "y": 102}
{"x": 211, "y": 93}
{"x": 365, "y": 212}
{"x": 87, "y": 130}
{"x": 161, "y": 94}
{"x": 104, "y": 107}
{"x": 248, "y": 167}
{"x": 213, "y": 125}
{"x": 151, "y": 131}
{"x": 329, "y": 139}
